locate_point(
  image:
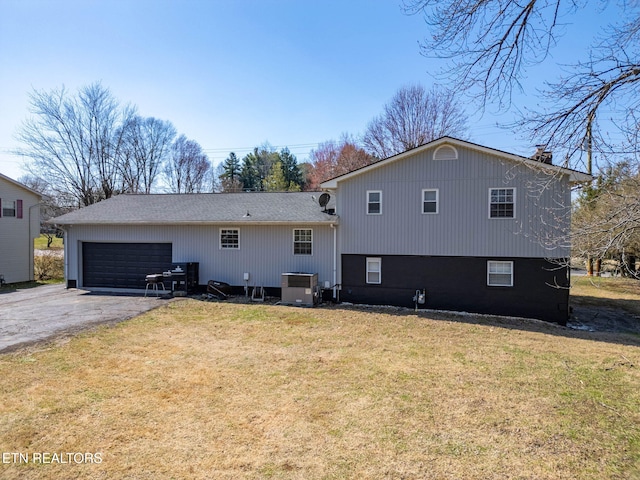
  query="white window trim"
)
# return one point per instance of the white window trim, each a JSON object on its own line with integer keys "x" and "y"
{"x": 369, "y": 202}
{"x": 293, "y": 249}
{"x": 515, "y": 196}
{"x": 377, "y": 260}
{"x": 5, "y": 206}
{"x": 435, "y": 153}
{"x": 220, "y": 239}
{"x": 510, "y": 263}
{"x": 437, "y": 201}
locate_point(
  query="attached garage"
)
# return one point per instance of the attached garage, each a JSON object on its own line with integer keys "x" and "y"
{"x": 123, "y": 265}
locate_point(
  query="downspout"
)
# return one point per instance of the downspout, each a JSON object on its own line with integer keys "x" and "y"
{"x": 32, "y": 275}
{"x": 65, "y": 245}
{"x": 335, "y": 261}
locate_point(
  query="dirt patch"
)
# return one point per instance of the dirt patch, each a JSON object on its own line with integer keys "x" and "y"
{"x": 604, "y": 319}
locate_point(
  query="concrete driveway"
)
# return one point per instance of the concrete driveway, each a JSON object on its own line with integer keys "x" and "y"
{"x": 35, "y": 314}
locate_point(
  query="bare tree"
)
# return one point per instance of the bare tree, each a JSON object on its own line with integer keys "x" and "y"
{"x": 413, "y": 117}
{"x": 188, "y": 169}
{"x": 333, "y": 158}
{"x": 489, "y": 45}
{"x": 606, "y": 219}
{"x": 146, "y": 145}
{"x": 69, "y": 140}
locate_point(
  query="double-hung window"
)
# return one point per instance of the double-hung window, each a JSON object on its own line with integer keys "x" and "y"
{"x": 502, "y": 202}
{"x": 8, "y": 208}
{"x": 430, "y": 201}
{"x": 499, "y": 274}
{"x": 229, "y": 239}
{"x": 374, "y": 270}
{"x": 302, "y": 241}
{"x": 374, "y": 202}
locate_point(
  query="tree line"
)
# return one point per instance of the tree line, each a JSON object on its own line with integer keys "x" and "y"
{"x": 87, "y": 147}
{"x": 414, "y": 116}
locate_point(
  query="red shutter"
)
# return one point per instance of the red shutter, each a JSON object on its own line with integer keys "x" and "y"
{"x": 19, "y": 208}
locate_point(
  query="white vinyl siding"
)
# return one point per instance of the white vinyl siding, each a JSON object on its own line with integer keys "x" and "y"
{"x": 499, "y": 274}
{"x": 502, "y": 203}
{"x": 302, "y": 241}
{"x": 430, "y": 201}
{"x": 374, "y": 270}
{"x": 229, "y": 238}
{"x": 374, "y": 202}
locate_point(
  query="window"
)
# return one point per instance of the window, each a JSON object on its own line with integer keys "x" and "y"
{"x": 430, "y": 201}
{"x": 374, "y": 202}
{"x": 302, "y": 241}
{"x": 8, "y": 209}
{"x": 374, "y": 270}
{"x": 229, "y": 238}
{"x": 500, "y": 274}
{"x": 502, "y": 203}
{"x": 445, "y": 152}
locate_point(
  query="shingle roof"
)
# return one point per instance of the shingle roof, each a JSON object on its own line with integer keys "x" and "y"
{"x": 229, "y": 208}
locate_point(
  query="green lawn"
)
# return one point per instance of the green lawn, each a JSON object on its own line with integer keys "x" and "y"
{"x": 40, "y": 243}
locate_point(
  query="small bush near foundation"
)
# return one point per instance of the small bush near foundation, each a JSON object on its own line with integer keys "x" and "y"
{"x": 48, "y": 266}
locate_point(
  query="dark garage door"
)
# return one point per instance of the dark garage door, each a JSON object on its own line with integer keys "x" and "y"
{"x": 123, "y": 265}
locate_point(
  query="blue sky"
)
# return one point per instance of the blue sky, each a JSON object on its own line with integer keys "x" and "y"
{"x": 229, "y": 74}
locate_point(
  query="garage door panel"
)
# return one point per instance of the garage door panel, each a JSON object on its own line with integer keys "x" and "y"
{"x": 123, "y": 265}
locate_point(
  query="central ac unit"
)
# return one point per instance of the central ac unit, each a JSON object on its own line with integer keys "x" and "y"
{"x": 300, "y": 289}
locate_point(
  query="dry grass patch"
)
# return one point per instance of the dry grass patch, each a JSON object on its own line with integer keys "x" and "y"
{"x": 210, "y": 390}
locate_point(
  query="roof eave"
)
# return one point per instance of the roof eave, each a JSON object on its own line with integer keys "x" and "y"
{"x": 574, "y": 175}
{"x": 186, "y": 223}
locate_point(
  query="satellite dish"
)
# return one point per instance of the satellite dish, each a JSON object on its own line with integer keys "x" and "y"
{"x": 324, "y": 200}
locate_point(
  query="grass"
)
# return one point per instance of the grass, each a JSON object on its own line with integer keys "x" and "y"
{"x": 212, "y": 390}
{"x": 616, "y": 292}
{"x": 40, "y": 243}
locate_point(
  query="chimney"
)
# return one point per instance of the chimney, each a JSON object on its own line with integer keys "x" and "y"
{"x": 542, "y": 155}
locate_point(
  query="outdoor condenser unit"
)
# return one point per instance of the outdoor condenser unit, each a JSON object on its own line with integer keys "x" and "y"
{"x": 300, "y": 289}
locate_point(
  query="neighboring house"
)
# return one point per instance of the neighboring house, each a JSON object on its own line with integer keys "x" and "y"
{"x": 19, "y": 226}
{"x": 474, "y": 228}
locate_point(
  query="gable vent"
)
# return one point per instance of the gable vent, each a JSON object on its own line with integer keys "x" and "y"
{"x": 445, "y": 152}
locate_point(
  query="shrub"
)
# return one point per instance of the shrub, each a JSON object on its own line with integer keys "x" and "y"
{"x": 48, "y": 266}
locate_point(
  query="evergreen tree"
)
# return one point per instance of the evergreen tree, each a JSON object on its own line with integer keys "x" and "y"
{"x": 291, "y": 170}
{"x": 230, "y": 176}
{"x": 276, "y": 181}
{"x": 249, "y": 178}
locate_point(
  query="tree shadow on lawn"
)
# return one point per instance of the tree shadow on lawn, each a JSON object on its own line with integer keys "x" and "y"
{"x": 587, "y": 322}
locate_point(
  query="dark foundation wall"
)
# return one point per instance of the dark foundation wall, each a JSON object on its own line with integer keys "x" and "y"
{"x": 460, "y": 283}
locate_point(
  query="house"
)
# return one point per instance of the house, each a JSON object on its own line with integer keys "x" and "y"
{"x": 117, "y": 242}
{"x": 469, "y": 227}
{"x": 456, "y": 224}
{"x": 19, "y": 226}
